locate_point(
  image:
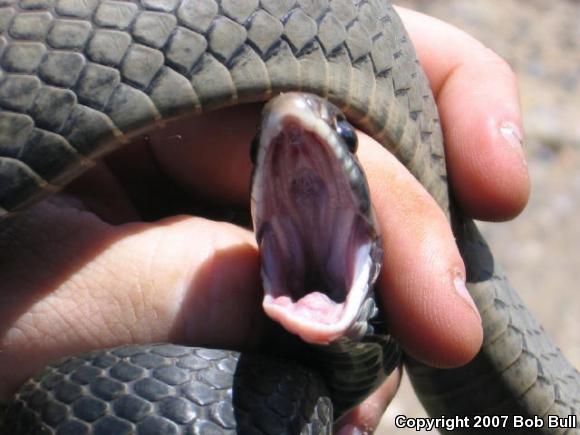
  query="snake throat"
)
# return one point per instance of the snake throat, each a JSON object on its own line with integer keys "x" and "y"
{"x": 317, "y": 246}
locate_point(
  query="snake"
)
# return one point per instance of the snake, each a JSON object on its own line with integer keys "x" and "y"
{"x": 79, "y": 79}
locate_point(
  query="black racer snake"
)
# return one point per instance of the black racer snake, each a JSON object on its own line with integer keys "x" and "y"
{"x": 75, "y": 85}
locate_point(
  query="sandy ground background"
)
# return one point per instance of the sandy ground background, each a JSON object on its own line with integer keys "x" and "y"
{"x": 540, "y": 249}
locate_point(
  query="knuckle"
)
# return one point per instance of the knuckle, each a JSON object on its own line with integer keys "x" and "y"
{"x": 499, "y": 65}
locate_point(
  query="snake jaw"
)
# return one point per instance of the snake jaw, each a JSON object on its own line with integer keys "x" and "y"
{"x": 319, "y": 245}
{"x": 315, "y": 317}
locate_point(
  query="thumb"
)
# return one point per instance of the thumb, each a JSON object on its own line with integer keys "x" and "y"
{"x": 72, "y": 282}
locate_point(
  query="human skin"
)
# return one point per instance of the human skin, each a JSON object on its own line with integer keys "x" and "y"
{"x": 83, "y": 270}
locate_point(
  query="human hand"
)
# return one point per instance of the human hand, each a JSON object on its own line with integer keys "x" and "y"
{"x": 478, "y": 103}
{"x": 83, "y": 271}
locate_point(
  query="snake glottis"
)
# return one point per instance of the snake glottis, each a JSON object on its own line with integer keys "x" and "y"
{"x": 79, "y": 78}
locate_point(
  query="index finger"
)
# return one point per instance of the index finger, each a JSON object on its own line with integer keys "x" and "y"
{"x": 478, "y": 102}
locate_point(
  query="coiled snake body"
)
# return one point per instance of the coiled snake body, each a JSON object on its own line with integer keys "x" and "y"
{"x": 78, "y": 78}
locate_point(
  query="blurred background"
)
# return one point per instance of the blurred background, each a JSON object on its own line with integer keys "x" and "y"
{"x": 540, "y": 250}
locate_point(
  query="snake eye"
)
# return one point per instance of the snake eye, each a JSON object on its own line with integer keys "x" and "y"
{"x": 254, "y": 148}
{"x": 346, "y": 131}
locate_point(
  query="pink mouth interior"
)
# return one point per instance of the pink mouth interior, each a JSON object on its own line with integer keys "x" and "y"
{"x": 310, "y": 237}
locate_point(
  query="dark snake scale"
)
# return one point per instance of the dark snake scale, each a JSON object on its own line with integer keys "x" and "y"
{"x": 78, "y": 79}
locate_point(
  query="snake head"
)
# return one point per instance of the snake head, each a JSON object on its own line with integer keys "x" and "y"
{"x": 319, "y": 244}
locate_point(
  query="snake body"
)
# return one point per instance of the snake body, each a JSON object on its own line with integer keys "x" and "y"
{"x": 79, "y": 78}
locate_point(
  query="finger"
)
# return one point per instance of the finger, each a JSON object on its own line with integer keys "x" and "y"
{"x": 99, "y": 191}
{"x": 72, "y": 283}
{"x": 210, "y": 154}
{"x": 365, "y": 418}
{"x": 422, "y": 284}
{"x": 477, "y": 97}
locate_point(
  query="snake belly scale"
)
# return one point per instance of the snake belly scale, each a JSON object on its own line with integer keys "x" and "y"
{"x": 78, "y": 79}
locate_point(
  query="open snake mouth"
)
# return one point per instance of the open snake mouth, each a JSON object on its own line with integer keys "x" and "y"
{"x": 318, "y": 246}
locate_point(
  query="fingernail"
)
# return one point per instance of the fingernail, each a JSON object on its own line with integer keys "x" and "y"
{"x": 513, "y": 135}
{"x": 462, "y": 291}
{"x": 349, "y": 429}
